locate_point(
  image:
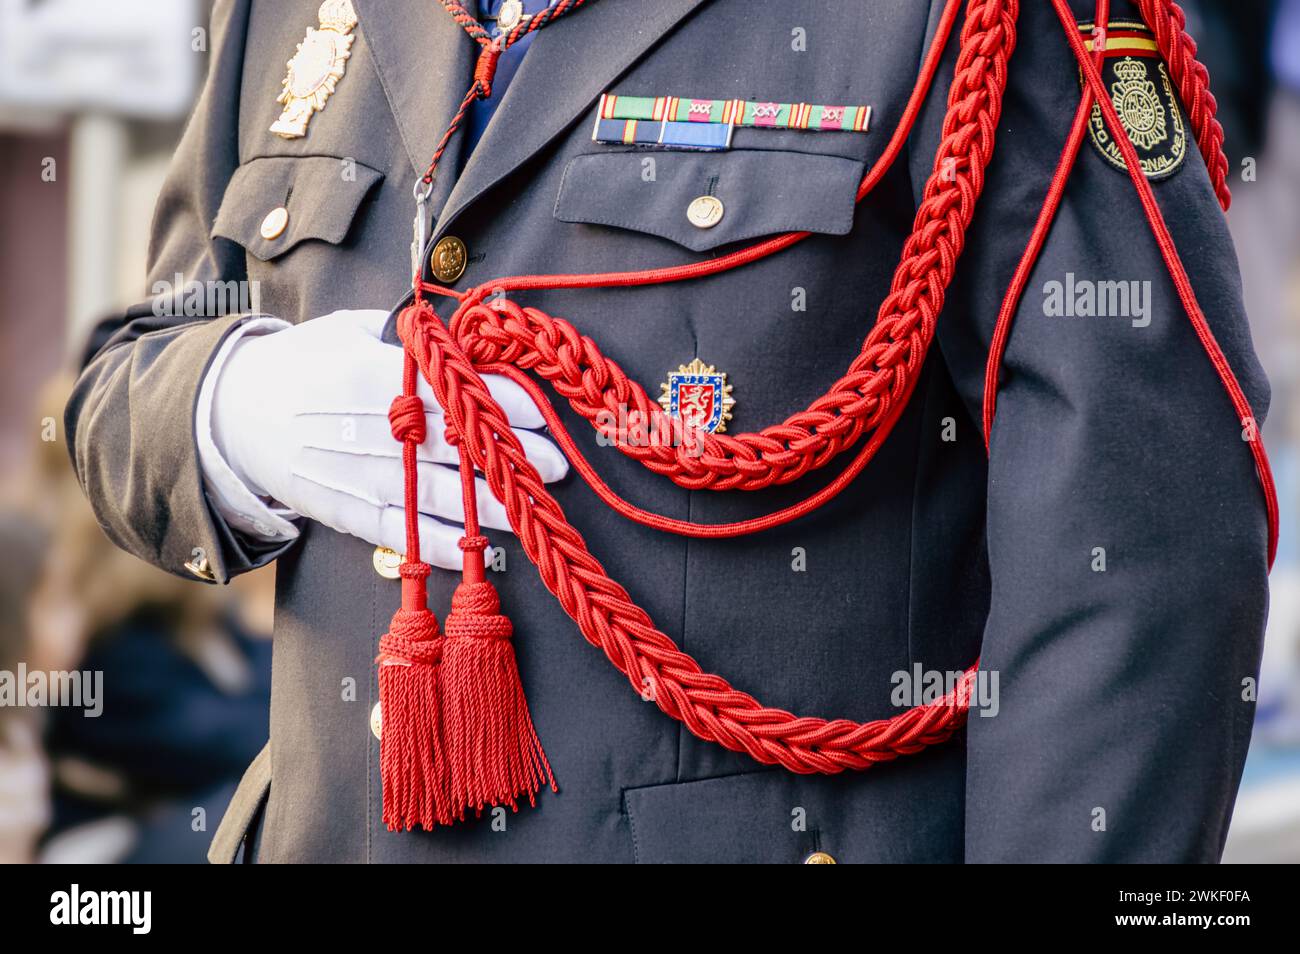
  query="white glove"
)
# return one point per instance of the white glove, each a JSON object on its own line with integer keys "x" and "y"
{"x": 301, "y": 415}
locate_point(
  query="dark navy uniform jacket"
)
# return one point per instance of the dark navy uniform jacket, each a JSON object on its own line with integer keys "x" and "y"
{"x": 1106, "y": 559}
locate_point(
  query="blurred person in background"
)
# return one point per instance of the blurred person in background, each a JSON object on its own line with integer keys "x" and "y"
{"x": 186, "y": 679}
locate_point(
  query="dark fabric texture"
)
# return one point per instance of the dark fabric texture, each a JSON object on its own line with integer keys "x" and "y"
{"x": 1120, "y": 690}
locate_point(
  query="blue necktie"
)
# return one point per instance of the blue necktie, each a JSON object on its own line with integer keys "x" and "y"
{"x": 480, "y": 112}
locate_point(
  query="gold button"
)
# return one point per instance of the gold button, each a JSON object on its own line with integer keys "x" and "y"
{"x": 448, "y": 259}
{"x": 276, "y": 221}
{"x": 705, "y": 211}
{"x": 199, "y": 567}
{"x": 376, "y": 721}
{"x": 819, "y": 858}
{"x": 387, "y": 562}
{"x": 511, "y": 12}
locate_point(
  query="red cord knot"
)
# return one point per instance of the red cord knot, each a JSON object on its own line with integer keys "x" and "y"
{"x": 410, "y": 319}
{"x": 413, "y": 636}
{"x": 477, "y": 543}
{"x": 476, "y": 613}
{"x": 474, "y": 295}
{"x": 406, "y": 417}
{"x": 467, "y": 326}
{"x": 485, "y": 69}
{"x": 412, "y": 639}
{"x": 414, "y": 571}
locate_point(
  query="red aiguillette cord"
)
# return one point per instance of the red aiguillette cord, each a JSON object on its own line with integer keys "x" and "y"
{"x": 1174, "y": 263}
{"x": 698, "y": 270}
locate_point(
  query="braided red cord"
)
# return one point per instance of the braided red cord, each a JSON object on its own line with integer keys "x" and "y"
{"x": 859, "y": 402}
{"x": 609, "y": 619}
{"x": 1169, "y": 24}
{"x": 867, "y": 400}
{"x": 406, "y": 418}
{"x": 467, "y": 22}
{"x": 862, "y": 401}
{"x": 875, "y": 389}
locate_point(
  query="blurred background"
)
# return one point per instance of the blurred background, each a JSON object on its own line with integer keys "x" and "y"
{"x": 93, "y": 98}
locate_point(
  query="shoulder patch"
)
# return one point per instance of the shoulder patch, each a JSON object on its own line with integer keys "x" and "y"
{"x": 1144, "y": 98}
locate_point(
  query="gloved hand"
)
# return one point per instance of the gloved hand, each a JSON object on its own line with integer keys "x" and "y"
{"x": 301, "y": 416}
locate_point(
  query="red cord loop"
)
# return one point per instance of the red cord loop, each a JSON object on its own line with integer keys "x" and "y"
{"x": 406, "y": 418}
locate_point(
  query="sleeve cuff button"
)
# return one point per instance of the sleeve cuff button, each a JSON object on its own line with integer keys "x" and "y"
{"x": 200, "y": 568}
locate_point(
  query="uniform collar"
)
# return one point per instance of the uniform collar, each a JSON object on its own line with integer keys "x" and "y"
{"x": 425, "y": 63}
{"x": 571, "y": 62}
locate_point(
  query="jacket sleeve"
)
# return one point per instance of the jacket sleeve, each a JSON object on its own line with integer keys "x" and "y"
{"x": 131, "y": 418}
{"x": 1126, "y": 527}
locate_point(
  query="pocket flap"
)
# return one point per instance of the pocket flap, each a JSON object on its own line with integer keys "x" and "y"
{"x": 777, "y": 817}
{"x": 762, "y": 191}
{"x": 320, "y": 194}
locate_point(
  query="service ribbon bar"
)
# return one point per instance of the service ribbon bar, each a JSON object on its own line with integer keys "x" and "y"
{"x": 707, "y": 123}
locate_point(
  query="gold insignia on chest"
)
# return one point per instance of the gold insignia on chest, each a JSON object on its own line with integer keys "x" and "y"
{"x": 698, "y": 395}
{"x": 316, "y": 68}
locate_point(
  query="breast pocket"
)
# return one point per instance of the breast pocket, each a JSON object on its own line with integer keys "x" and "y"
{"x": 276, "y": 203}
{"x": 704, "y": 200}
{"x": 303, "y": 225}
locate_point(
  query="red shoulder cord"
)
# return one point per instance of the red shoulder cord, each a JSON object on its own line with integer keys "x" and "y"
{"x": 494, "y": 758}
{"x": 1179, "y": 50}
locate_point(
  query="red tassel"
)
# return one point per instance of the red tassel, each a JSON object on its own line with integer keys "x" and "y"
{"x": 415, "y": 779}
{"x": 456, "y": 732}
{"x": 493, "y": 755}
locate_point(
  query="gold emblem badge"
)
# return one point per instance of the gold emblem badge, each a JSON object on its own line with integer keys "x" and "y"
{"x": 1138, "y": 104}
{"x": 1143, "y": 96}
{"x": 698, "y": 395}
{"x": 316, "y": 68}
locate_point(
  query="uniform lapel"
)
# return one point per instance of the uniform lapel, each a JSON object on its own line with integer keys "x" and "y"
{"x": 570, "y": 63}
{"x": 425, "y": 63}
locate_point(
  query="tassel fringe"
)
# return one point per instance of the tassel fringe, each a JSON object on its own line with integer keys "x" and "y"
{"x": 492, "y": 750}
{"x": 412, "y": 764}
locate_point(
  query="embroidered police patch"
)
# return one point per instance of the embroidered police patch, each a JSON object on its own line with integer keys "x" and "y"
{"x": 1143, "y": 94}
